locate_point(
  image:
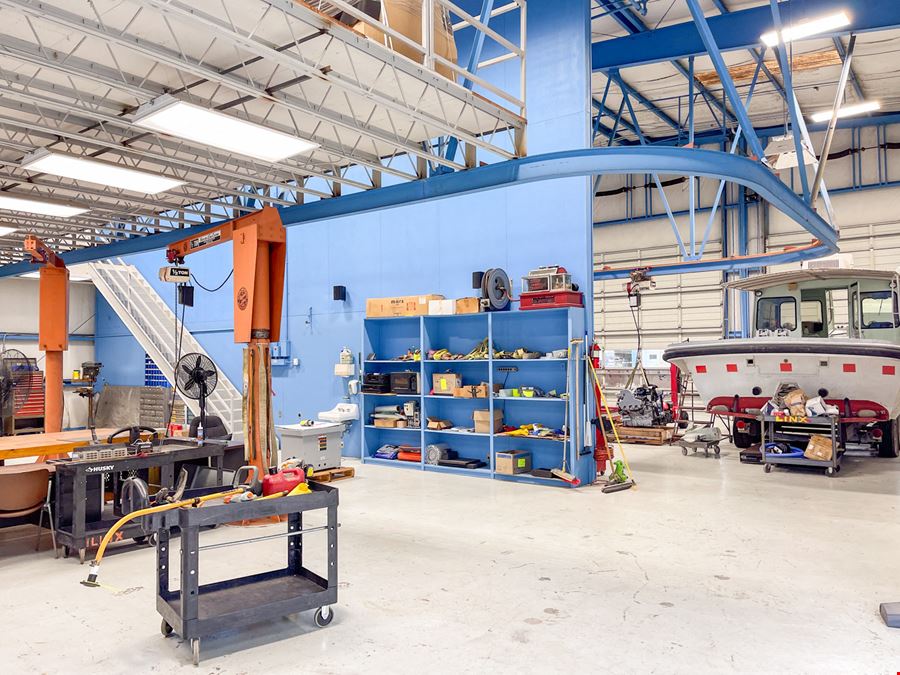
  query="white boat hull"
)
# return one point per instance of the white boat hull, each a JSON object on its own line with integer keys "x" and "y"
{"x": 838, "y": 369}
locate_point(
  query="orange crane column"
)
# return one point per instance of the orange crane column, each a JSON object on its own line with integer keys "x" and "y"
{"x": 53, "y": 329}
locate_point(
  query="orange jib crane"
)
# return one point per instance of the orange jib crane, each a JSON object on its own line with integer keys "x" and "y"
{"x": 53, "y": 328}
{"x": 259, "y": 250}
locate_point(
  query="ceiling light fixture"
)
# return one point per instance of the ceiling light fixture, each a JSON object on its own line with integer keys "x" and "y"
{"x": 168, "y": 115}
{"x": 807, "y": 29}
{"x": 46, "y": 207}
{"x": 97, "y": 171}
{"x": 847, "y": 111}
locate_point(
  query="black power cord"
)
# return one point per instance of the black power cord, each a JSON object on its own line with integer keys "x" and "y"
{"x": 217, "y": 288}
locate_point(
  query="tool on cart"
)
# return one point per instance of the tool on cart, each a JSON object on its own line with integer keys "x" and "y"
{"x": 259, "y": 251}
{"x": 702, "y": 438}
{"x": 53, "y": 329}
{"x": 250, "y": 474}
{"x": 496, "y": 289}
{"x": 548, "y": 288}
{"x": 629, "y": 482}
{"x": 15, "y": 386}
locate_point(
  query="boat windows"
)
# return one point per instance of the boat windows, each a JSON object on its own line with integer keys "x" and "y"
{"x": 812, "y": 318}
{"x": 879, "y": 309}
{"x": 776, "y": 314}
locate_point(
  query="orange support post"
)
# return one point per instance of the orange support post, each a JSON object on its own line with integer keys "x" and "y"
{"x": 53, "y": 329}
{"x": 259, "y": 250}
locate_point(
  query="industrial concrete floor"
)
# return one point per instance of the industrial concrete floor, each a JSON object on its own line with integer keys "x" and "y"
{"x": 709, "y": 566}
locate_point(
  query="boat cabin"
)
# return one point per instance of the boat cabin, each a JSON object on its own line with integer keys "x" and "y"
{"x": 823, "y": 303}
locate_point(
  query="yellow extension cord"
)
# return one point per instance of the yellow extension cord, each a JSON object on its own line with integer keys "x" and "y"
{"x": 610, "y": 417}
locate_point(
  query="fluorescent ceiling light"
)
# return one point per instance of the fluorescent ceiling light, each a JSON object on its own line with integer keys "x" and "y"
{"x": 847, "y": 111}
{"x": 168, "y": 115}
{"x": 807, "y": 29}
{"x": 7, "y": 229}
{"x": 99, "y": 172}
{"x": 45, "y": 207}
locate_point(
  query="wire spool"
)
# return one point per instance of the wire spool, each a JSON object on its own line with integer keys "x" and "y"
{"x": 496, "y": 290}
{"x": 436, "y": 452}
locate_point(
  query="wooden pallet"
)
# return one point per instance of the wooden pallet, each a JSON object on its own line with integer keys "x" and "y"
{"x": 646, "y": 435}
{"x": 328, "y": 475}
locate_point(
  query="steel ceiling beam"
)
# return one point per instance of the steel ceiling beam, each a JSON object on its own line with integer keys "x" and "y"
{"x": 737, "y": 30}
{"x": 537, "y": 168}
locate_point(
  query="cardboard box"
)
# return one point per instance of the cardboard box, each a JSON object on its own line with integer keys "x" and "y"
{"x": 441, "y": 307}
{"x": 511, "y": 462}
{"x": 482, "y": 420}
{"x": 468, "y": 305}
{"x": 475, "y": 390}
{"x": 436, "y": 424}
{"x": 444, "y": 384}
{"x": 386, "y": 424}
{"x": 819, "y": 448}
{"x": 401, "y": 305}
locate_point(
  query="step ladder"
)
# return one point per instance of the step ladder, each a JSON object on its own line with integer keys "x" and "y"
{"x": 154, "y": 325}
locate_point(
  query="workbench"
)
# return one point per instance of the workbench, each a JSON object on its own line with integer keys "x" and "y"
{"x": 47, "y": 444}
{"x": 81, "y": 515}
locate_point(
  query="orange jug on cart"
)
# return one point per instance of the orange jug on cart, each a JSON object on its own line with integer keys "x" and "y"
{"x": 284, "y": 480}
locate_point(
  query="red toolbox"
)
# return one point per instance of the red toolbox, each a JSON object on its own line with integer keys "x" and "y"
{"x": 551, "y": 299}
{"x": 409, "y": 454}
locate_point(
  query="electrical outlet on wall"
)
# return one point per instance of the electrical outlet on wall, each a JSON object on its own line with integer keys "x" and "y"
{"x": 295, "y": 362}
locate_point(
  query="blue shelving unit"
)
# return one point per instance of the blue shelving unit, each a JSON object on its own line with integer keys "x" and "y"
{"x": 539, "y": 330}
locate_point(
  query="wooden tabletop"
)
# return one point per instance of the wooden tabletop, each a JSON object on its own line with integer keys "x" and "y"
{"x": 43, "y": 445}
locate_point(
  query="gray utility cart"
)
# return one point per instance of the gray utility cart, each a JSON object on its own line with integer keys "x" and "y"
{"x": 197, "y": 610}
{"x": 792, "y": 430}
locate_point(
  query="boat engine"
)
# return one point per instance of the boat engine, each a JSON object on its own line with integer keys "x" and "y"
{"x": 644, "y": 407}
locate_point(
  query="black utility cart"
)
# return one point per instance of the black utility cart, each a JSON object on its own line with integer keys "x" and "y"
{"x": 197, "y": 610}
{"x": 81, "y": 515}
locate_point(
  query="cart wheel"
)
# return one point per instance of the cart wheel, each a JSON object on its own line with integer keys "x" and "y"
{"x": 65, "y": 551}
{"x": 684, "y": 451}
{"x": 195, "y": 651}
{"x": 165, "y": 628}
{"x": 324, "y": 615}
{"x": 81, "y": 553}
{"x": 768, "y": 468}
{"x": 830, "y": 471}
{"x": 717, "y": 450}
{"x": 152, "y": 540}
{"x": 706, "y": 450}
{"x": 139, "y": 540}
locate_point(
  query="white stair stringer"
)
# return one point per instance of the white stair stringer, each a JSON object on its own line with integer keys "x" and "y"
{"x": 155, "y": 326}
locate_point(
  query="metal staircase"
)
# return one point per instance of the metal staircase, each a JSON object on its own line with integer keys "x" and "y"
{"x": 154, "y": 326}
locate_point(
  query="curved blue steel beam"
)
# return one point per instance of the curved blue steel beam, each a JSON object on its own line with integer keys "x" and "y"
{"x": 550, "y": 166}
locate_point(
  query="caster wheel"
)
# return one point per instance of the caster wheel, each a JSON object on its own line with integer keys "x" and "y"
{"x": 830, "y": 471}
{"x": 707, "y": 452}
{"x": 139, "y": 540}
{"x": 684, "y": 451}
{"x": 65, "y": 551}
{"x": 165, "y": 628}
{"x": 81, "y": 553}
{"x": 717, "y": 450}
{"x": 152, "y": 540}
{"x": 768, "y": 468}
{"x": 324, "y": 615}
{"x": 195, "y": 651}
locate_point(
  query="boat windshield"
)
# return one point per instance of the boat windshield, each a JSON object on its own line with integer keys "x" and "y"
{"x": 879, "y": 309}
{"x": 776, "y": 314}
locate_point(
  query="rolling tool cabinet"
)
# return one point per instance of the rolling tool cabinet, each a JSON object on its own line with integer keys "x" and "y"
{"x": 197, "y": 610}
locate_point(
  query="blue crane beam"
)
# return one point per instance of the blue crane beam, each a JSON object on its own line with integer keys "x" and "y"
{"x": 537, "y": 168}
{"x": 736, "y": 30}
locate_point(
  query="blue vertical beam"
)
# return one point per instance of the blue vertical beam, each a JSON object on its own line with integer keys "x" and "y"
{"x": 727, "y": 83}
{"x": 793, "y": 107}
{"x": 487, "y": 6}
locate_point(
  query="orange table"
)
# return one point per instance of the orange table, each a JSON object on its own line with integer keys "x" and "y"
{"x": 48, "y": 444}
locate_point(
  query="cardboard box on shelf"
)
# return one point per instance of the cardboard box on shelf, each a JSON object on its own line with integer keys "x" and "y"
{"x": 819, "y": 448}
{"x": 444, "y": 384}
{"x": 401, "y": 305}
{"x": 468, "y": 305}
{"x": 441, "y": 307}
{"x": 474, "y": 390}
{"x": 482, "y": 420}
{"x": 511, "y": 462}
{"x": 386, "y": 424}
{"x": 436, "y": 424}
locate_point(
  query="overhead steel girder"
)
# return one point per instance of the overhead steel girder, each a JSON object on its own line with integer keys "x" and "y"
{"x": 737, "y": 30}
{"x": 538, "y": 168}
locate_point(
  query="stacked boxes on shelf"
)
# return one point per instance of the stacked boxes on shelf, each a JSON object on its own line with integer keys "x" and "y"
{"x": 471, "y": 409}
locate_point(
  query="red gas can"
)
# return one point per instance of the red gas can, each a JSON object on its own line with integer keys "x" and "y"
{"x": 286, "y": 479}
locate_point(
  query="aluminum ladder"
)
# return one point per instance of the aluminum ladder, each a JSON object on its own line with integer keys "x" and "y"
{"x": 154, "y": 326}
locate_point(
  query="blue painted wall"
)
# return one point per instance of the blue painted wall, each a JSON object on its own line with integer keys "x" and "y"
{"x": 426, "y": 248}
